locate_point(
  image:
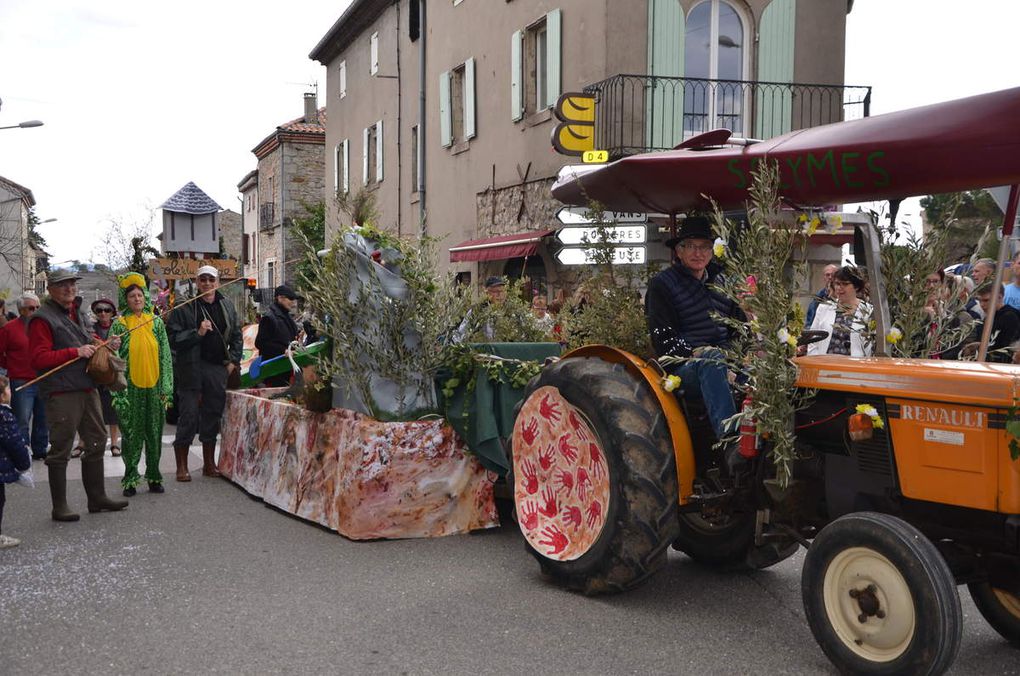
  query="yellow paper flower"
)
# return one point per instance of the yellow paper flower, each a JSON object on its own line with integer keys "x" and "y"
{"x": 833, "y": 222}
{"x": 871, "y": 412}
{"x": 719, "y": 248}
{"x": 670, "y": 383}
{"x": 812, "y": 226}
{"x": 894, "y": 336}
{"x": 802, "y": 218}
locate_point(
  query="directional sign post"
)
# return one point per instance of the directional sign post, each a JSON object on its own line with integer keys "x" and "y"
{"x": 618, "y": 234}
{"x": 579, "y": 216}
{"x": 622, "y": 255}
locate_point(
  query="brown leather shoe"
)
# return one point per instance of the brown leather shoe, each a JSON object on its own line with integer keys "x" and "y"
{"x": 209, "y": 459}
{"x": 181, "y": 455}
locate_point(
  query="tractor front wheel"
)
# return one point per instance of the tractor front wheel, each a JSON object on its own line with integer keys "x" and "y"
{"x": 595, "y": 485}
{"x": 879, "y": 597}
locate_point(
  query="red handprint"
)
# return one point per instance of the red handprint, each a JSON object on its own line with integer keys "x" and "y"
{"x": 549, "y": 411}
{"x": 545, "y": 458}
{"x": 565, "y": 480}
{"x": 550, "y": 508}
{"x": 555, "y": 540}
{"x": 572, "y": 517}
{"x": 530, "y": 476}
{"x": 594, "y": 513}
{"x": 529, "y": 515}
{"x": 595, "y": 463}
{"x": 579, "y": 428}
{"x": 530, "y": 431}
{"x": 567, "y": 449}
{"x": 583, "y": 483}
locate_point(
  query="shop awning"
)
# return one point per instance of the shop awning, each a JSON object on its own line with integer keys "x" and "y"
{"x": 499, "y": 248}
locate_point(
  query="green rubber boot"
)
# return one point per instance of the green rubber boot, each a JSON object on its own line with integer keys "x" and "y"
{"x": 95, "y": 488}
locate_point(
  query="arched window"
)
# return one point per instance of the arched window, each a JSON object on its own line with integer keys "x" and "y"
{"x": 715, "y": 62}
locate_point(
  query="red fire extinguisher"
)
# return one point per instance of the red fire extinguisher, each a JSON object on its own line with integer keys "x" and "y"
{"x": 748, "y": 432}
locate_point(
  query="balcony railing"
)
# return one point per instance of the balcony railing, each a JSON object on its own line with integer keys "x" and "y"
{"x": 267, "y": 215}
{"x": 641, "y": 113}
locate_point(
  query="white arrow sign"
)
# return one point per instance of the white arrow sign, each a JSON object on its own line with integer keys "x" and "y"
{"x": 580, "y": 216}
{"x": 621, "y": 255}
{"x": 620, "y": 234}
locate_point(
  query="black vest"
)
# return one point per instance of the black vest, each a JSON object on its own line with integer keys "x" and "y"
{"x": 65, "y": 334}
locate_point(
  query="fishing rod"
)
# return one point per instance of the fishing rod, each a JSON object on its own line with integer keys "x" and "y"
{"x": 105, "y": 343}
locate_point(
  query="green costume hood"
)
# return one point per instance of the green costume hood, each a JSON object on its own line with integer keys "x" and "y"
{"x": 126, "y": 280}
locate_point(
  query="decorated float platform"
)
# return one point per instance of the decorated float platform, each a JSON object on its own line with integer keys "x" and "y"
{"x": 360, "y": 477}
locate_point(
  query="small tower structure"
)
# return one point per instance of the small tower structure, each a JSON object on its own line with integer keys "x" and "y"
{"x": 189, "y": 222}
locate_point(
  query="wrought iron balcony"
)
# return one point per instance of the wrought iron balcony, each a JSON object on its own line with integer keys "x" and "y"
{"x": 641, "y": 113}
{"x": 267, "y": 215}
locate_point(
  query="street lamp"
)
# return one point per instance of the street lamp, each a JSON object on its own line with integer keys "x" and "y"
{"x": 25, "y": 124}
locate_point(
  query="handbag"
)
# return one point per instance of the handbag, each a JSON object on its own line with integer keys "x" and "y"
{"x": 107, "y": 369}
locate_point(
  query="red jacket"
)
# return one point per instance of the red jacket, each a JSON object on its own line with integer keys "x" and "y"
{"x": 15, "y": 354}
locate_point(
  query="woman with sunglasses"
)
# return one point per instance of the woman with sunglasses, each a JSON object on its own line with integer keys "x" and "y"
{"x": 104, "y": 312}
{"x": 845, "y": 317}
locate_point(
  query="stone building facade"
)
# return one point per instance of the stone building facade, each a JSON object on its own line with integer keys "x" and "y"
{"x": 478, "y": 163}
{"x": 17, "y": 261}
{"x": 290, "y": 175}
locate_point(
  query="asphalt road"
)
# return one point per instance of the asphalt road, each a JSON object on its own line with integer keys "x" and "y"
{"x": 205, "y": 579}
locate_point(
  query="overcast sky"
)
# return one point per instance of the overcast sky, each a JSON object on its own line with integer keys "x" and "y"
{"x": 139, "y": 98}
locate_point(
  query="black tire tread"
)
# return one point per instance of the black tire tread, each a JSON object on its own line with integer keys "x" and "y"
{"x": 1001, "y": 619}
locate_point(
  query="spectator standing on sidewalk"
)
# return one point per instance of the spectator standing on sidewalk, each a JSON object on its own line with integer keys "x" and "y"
{"x": 16, "y": 357}
{"x": 206, "y": 339}
{"x": 104, "y": 312}
{"x": 59, "y": 334}
{"x": 277, "y": 329}
{"x": 13, "y": 455}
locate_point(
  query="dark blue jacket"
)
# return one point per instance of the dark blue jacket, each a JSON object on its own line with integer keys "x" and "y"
{"x": 679, "y": 311}
{"x": 14, "y": 455}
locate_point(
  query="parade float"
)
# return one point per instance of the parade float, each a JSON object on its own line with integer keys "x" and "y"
{"x": 392, "y": 427}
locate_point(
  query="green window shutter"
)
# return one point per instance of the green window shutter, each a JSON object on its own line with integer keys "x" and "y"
{"x": 469, "y": 98}
{"x": 516, "y": 83}
{"x": 553, "y": 76}
{"x": 774, "y": 105}
{"x": 378, "y": 152}
{"x": 445, "y": 112}
{"x": 665, "y": 99}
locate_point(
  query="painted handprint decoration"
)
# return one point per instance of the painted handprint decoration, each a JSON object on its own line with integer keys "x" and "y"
{"x": 562, "y": 487}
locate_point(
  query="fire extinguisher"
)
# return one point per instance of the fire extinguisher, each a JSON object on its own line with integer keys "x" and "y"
{"x": 748, "y": 432}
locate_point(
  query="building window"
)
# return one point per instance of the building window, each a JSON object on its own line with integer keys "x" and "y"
{"x": 373, "y": 43}
{"x": 415, "y": 160}
{"x": 536, "y": 66}
{"x": 342, "y": 78}
{"x": 341, "y": 168}
{"x": 270, "y": 274}
{"x": 457, "y": 104}
{"x": 372, "y": 155}
{"x": 714, "y": 50}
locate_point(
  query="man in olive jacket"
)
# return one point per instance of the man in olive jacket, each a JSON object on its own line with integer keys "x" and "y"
{"x": 205, "y": 337}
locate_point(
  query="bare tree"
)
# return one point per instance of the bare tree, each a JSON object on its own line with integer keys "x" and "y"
{"x": 126, "y": 243}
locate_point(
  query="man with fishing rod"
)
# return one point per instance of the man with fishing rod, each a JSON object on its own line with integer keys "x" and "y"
{"x": 206, "y": 340}
{"x": 61, "y": 343}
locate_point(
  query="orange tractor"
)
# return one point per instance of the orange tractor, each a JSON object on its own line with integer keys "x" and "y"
{"x": 610, "y": 469}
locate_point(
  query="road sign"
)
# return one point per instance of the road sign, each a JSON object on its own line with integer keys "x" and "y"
{"x": 579, "y": 216}
{"x": 621, "y": 255}
{"x": 617, "y": 234}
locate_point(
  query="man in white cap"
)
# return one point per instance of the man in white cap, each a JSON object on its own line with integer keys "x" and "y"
{"x": 205, "y": 336}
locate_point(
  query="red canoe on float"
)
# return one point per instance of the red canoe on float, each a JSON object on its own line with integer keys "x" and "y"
{"x": 946, "y": 147}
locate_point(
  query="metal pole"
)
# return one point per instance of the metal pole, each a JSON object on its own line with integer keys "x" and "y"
{"x": 1007, "y": 231}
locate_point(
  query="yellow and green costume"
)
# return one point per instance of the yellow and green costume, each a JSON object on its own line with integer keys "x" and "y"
{"x": 150, "y": 383}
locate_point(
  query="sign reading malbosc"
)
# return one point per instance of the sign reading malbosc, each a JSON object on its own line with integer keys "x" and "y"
{"x": 186, "y": 268}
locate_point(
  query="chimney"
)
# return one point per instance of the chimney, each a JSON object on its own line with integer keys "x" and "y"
{"x": 311, "y": 108}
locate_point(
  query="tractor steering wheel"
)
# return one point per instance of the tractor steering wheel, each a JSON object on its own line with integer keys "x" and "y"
{"x": 808, "y": 337}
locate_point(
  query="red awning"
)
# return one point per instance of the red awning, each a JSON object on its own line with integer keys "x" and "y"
{"x": 498, "y": 248}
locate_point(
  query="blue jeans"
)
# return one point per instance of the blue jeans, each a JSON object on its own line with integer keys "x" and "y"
{"x": 709, "y": 372}
{"x": 28, "y": 407}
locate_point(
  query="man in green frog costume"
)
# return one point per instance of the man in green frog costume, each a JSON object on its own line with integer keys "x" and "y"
{"x": 150, "y": 383}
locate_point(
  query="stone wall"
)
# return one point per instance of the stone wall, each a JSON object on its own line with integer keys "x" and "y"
{"x": 500, "y": 211}
{"x": 230, "y": 232}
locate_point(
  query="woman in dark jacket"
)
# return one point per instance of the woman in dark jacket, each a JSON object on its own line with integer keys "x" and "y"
{"x": 14, "y": 456}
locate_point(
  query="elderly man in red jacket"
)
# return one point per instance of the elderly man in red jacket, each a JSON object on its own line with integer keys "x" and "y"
{"x": 16, "y": 357}
{"x": 59, "y": 334}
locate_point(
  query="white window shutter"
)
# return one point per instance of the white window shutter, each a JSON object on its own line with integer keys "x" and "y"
{"x": 347, "y": 166}
{"x": 516, "y": 82}
{"x": 374, "y": 56}
{"x": 337, "y": 166}
{"x": 378, "y": 152}
{"x": 553, "y": 76}
{"x": 445, "y": 110}
{"x": 364, "y": 157}
{"x": 469, "y": 98}
{"x": 343, "y": 78}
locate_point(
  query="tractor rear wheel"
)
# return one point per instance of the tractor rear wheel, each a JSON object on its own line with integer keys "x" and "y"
{"x": 879, "y": 597}
{"x": 1000, "y": 607}
{"x": 595, "y": 485}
